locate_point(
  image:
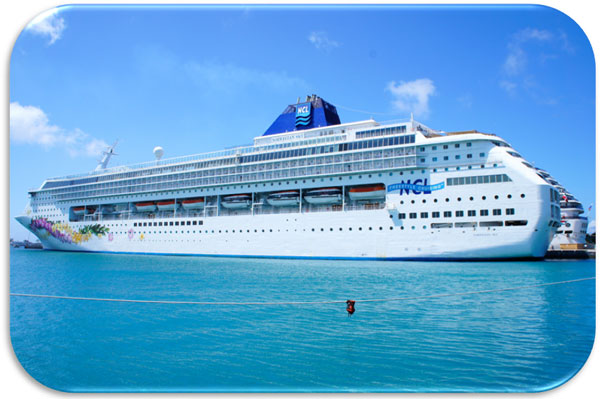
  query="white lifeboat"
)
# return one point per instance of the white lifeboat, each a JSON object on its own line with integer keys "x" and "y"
{"x": 167, "y": 205}
{"x": 78, "y": 210}
{"x": 145, "y": 206}
{"x": 284, "y": 198}
{"x": 375, "y": 191}
{"x": 236, "y": 201}
{"x": 193, "y": 203}
{"x": 321, "y": 196}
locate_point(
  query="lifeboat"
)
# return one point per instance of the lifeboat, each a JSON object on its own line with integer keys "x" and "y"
{"x": 193, "y": 203}
{"x": 236, "y": 201}
{"x": 145, "y": 206}
{"x": 375, "y": 191}
{"x": 78, "y": 210}
{"x": 168, "y": 205}
{"x": 284, "y": 198}
{"x": 319, "y": 196}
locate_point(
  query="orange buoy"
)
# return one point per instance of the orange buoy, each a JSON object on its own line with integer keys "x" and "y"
{"x": 350, "y": 308}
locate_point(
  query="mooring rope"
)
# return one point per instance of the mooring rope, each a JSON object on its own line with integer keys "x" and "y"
{"x": 405, "y": 298}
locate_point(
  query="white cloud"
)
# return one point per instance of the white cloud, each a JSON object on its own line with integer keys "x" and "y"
{"x": 412, "y": 96}
{"x": 516, "y": 60}
{"x": 508, "y": 86}
{"x": 30, "y": 125}
{"x": 231, "y": 78}
{"x": 48, "y": 24}
{"x": 322, "y": 42}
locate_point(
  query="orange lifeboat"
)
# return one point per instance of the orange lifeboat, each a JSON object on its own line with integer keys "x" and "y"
{"x": 167, "y": 205}
{"x": 193, "y": 203}
{"x": 374, "y": 191}
{"x": 145, "y": 206}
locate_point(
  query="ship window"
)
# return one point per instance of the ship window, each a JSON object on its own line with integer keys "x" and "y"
{"x": 412, "y": 215}
{"x": 447, "y": 214}
{"x": 510, "y": 211}
{"x": 471, "y": 213}
{"x": 469, "y": 156}
{"x": 457, "y": 157}
{"x": 402, "y": 216}
{"x": 518, "y": 223}
{"x": 482, "y": 154}
{"x": 493, "y": 223}
{"x": 483, "y": 212}
{"x": 424, "y": 215}
{"x": 155, "y": 224}
{"x": 171, "y": 224}
{"x": 460, "y": 213}
{"x": 445, "y": 147}
{"x": 434, "y": 159}
{"x": 160, "y": 223}
{"x": 189, "y": 223}
{"x": 465, "y": 224}
{"x": 435, "y": 214}
{"x": 441, "y": 225}
{"x": 445, "y": 158}
{"x": 135, "y": 225}
{"x": 145, "y": 224}
{"x": 176, "y": 223}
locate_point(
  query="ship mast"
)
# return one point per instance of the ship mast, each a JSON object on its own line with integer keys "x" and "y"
{"x": 106, "y": 157}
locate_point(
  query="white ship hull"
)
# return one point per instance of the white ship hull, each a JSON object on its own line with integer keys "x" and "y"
{"x": 366, "y": 234}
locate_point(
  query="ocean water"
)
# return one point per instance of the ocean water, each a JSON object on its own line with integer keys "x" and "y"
{"x": 528, "y": 339}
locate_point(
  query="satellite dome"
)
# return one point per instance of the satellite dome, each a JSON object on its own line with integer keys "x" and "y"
{"x": 158, "y": 152}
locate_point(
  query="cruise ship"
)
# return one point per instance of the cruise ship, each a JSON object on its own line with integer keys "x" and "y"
{"x": 311, "y": 187}
{"x": 573, "y": 229}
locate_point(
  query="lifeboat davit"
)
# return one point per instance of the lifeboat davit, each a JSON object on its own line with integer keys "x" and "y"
{"x": 108, "y": 209}
{"x": 236, "y": 201}
{"x": 168, "y": 205}
{"x": 319, "y": 196}
{"x": 145, "y": 206}
{"x": 374, "y": 191}
{"x": 284, "y": 198}
{"x": 89, "y": 210}
{"x": 193, "y": 203}
{"x": 78, "y": 210}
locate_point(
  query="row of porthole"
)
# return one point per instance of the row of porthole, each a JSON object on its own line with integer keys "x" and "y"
{"x": 424, "y": 201}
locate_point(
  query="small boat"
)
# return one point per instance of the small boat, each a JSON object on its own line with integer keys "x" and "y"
{"x": 236, "y": 201}
{"x": 78, "y": 210}
{"x": 374, "y": 191}
{"x": 322, "y": 196}
{"x": 284, "y": 198}
{"x": 145, "y": 206}
{"x": 168, "y": 205}
{"x": 193, "y": 203}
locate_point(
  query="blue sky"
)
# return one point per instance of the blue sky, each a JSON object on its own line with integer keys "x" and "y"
{"x": 197, "y": 79}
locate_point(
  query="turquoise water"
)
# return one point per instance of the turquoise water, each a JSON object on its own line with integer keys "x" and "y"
{"x": 523, "y": 340}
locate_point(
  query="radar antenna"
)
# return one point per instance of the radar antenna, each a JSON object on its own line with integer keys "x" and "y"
{"x": 106, "y": 157}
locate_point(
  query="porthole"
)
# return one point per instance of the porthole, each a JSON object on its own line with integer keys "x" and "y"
{"x": 496, "y": 197}
{"x": 483, "y": 198}
{"x": 522, "y": 195}
{"x": 509, "y": 196}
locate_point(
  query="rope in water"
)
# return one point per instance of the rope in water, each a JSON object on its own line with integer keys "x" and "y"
{"x": 405, "y": 298}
